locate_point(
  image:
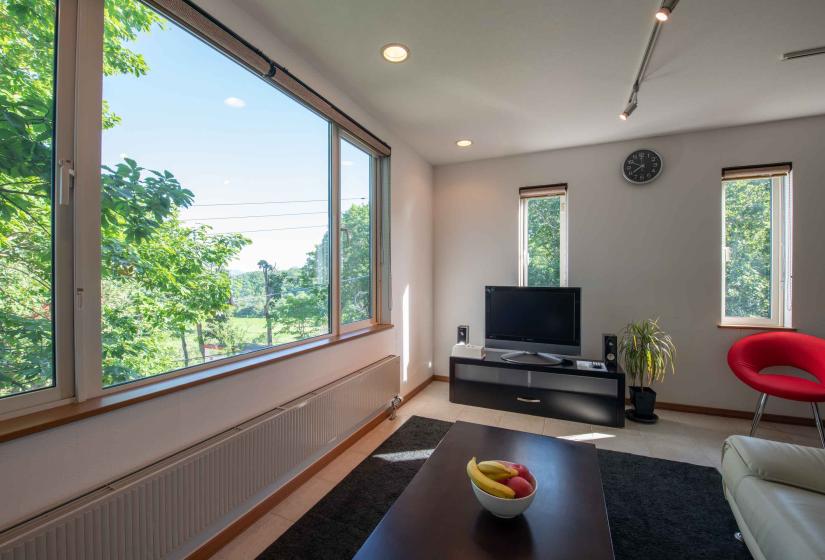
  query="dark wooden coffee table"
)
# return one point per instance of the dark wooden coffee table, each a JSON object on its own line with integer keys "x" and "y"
{"x": 437, "y": 516}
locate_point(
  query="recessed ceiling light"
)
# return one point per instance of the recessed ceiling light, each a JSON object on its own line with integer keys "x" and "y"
{"x": 463, "y": 143}
{"x": 395, "y": 52}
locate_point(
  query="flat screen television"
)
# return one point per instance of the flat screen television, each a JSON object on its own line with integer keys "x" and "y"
{"x": 533, "y": 320}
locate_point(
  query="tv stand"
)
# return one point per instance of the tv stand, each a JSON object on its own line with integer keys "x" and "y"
{"x": 556, "y": 391}
{"x": 533, "y": 358}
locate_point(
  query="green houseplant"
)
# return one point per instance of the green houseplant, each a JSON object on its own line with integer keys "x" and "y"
{"x": 647, "y": 353}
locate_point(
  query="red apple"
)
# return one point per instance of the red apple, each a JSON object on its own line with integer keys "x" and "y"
{"x": 521, "y": 486}
{"x": 522, "y": 471}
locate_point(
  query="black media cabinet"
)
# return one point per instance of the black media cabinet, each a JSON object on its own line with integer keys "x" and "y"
{"x": 563, "y": 391}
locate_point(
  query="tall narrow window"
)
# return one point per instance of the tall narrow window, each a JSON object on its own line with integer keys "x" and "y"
{"x": 27, "y": 49}
{"x": 543, "y": 236}
{"x": 357, "y": 186}
{"x": 215, "y": 205}
{"x": 756, "y": 252}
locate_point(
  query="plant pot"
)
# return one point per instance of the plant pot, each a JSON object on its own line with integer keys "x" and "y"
{"x": 643, "y": 400}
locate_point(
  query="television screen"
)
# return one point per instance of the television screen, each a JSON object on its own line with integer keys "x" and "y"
{"x": 540, "y": 316}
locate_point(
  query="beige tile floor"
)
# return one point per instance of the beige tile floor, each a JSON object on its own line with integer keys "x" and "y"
{"x": 678, "y": 436}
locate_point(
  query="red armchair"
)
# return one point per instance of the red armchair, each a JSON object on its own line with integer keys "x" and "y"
{"x": 750, "y": 355}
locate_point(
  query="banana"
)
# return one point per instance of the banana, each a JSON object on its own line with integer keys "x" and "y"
{"x": 487, "y": 484}
{"x": 496, "y": 470}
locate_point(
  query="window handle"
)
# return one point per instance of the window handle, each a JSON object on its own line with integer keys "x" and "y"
{"x": 64, "y": 181}
{"x": 521, "y": 399}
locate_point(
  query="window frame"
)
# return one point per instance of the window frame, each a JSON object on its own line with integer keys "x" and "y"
{"x": 545, "y": 191}
{"x": 76, "y": 241}
{"x": 781, "y": 177}
{"x": 62, "y": 221}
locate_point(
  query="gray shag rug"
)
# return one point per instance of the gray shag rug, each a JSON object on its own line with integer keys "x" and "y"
{"x": 657, "y": 509}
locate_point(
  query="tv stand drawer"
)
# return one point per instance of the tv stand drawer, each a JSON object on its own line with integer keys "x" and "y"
{"x": 537, "y": 379}
{"x": 566, "y": 394}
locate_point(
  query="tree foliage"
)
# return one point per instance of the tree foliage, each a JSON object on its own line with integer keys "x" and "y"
{"x": 356, "y": 285}
{"x": 26, "y": 117}
{"x": 748, "y": 247}
{"x": 544, "y": 241}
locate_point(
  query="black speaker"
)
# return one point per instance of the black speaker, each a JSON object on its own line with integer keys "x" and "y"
{"x": 463, "y": 334}
{"x": 610, "y": 350}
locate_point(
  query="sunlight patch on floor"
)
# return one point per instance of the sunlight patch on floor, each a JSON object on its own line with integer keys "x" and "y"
{"x": 587, "y": 437}
{"x": 417, "y": 455}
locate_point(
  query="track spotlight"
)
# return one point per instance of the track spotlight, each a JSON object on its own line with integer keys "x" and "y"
{"x": 663, "y": 15}
{"x": 665, "y": 11}
{"x": 631, "y": 106}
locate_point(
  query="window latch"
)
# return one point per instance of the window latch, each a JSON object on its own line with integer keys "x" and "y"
{"x": 64, "y": 181}
{"x": 726, "y": 254}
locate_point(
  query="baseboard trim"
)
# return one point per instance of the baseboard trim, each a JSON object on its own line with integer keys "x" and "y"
{"x": 213, "y": 545}
{"x": 730, "y": 413}
{"x": 442, "y": 378}
{"x": 417, "y": 389}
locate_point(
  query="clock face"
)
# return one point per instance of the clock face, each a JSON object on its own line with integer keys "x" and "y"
{"x": 642, "y": 166}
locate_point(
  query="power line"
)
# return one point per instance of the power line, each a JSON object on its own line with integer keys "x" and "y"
{"x": 274, "y": 202}
{"x": 253, "y": 216}
{"x": 271, "y": 229}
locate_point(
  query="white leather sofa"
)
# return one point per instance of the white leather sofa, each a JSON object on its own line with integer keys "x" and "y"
{"x": 777, "y": 494}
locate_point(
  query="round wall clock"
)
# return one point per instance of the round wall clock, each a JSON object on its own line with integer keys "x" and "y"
{"x": 642, "y": 166}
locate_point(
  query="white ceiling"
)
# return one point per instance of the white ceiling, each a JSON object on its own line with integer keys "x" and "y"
{"x": 520, "y": 76}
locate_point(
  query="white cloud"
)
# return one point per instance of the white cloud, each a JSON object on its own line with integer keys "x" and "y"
{"x": 347, "y": 163}
{"x": 234, "y": 102}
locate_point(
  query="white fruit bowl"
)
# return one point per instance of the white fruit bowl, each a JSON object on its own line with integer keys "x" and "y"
{"x": 504, "y": 507}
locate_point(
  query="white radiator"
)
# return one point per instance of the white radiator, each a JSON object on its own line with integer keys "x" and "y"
{"x": 170, "y": 508}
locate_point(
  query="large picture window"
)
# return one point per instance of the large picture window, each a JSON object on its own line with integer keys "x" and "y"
{"x": 756, "y": 252}
{"x": 230, "y": 207}
{"x": 215, "y": 207}
{"x": 543, "y": 236}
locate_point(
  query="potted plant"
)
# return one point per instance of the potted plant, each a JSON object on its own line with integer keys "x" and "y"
{"x": 647, "y": 353}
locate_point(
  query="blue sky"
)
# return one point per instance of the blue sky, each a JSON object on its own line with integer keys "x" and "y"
{"x": 243, "y": 147}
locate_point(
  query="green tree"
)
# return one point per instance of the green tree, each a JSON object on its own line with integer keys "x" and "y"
{"x": 302, "y": 313}
{"x": 356, "y": 263}
{"x": 303, "y": 309}
{"x": 248, "y": 293}
{"x": 273, "y": 283}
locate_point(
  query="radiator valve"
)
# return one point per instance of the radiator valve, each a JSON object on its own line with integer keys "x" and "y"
{"x": 395, "y": 403}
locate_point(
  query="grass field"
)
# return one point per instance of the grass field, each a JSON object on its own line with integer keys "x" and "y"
{"x": 250, "y": 332}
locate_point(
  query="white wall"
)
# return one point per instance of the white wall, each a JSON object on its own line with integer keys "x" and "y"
{"x": 44, "y": 469}
{"x": 636, "y": 251}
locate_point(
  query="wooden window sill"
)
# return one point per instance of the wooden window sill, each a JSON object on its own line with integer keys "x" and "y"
{"x": 755, "y": 327}
{"x": 34, "y": 422}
